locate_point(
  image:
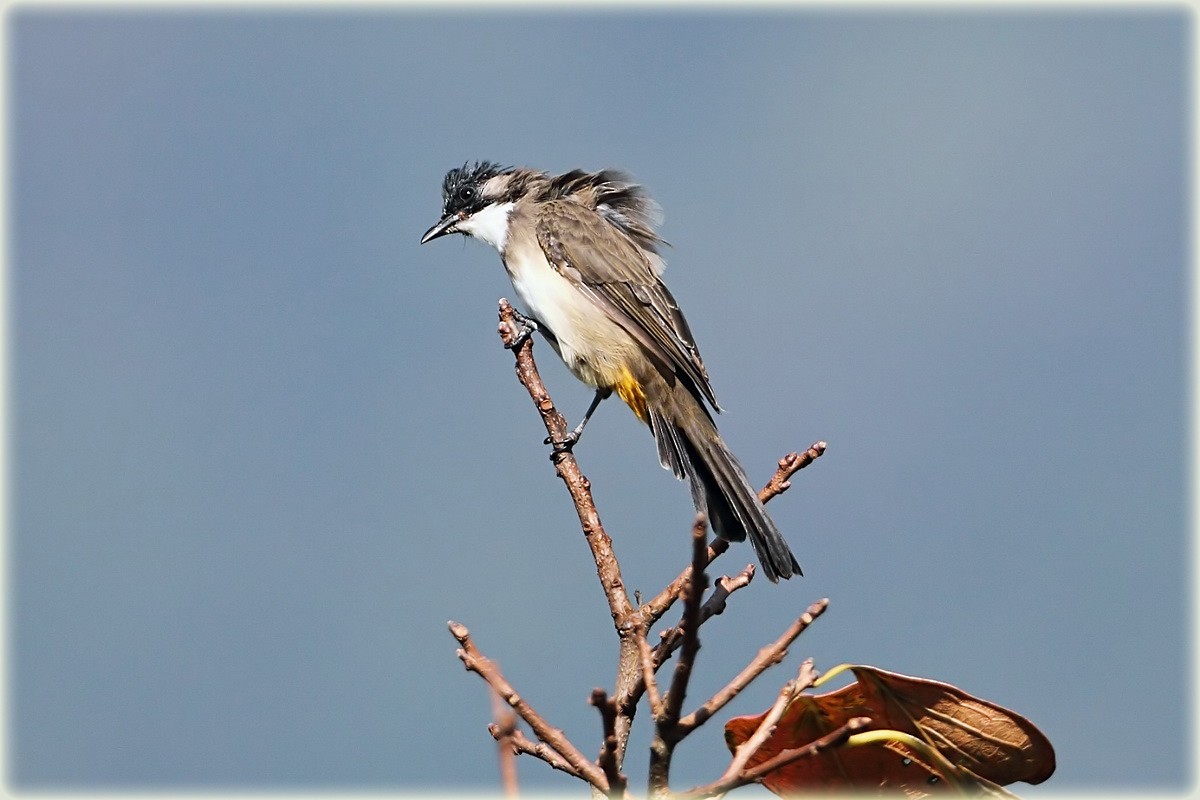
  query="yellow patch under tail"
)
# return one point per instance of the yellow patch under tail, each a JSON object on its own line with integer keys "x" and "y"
{"x": 629, "y": 390}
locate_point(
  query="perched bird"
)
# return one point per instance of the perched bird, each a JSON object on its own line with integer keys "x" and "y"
{"x": 583, "y": 255}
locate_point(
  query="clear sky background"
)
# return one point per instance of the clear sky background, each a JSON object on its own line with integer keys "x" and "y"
{"x": 263, "y": 445}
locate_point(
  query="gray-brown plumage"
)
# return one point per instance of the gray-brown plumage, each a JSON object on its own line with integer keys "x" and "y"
{"x": 583, "y": 255}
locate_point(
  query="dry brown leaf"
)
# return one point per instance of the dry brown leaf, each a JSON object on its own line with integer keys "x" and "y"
{"x": 986, "y": 745}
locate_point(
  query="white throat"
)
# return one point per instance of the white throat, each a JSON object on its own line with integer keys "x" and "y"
{"x": 489, "y": 224}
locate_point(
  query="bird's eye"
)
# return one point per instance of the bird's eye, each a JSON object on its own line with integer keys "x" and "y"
{"x": 466, "y": 194}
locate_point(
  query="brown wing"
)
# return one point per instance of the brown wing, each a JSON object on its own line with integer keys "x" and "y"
{"x": 614, "y": 273}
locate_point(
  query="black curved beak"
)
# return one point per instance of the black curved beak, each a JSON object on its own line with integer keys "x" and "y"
{"x": 444, "y": 226}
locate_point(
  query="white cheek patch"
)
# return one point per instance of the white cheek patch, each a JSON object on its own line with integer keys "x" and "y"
{"x": 490, "y": 224}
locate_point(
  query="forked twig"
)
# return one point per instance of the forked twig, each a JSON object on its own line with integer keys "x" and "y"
{"x": 522, "y": 744}
{"x": 486, "y": 668}
{"x": 714, "y": 605}
{"x": 767, "y": 657}
{"x": 779, "y": 483}
{"x": 760, "y": 771}
{"x": 791, "y": 690}
{"x": 829, "y": 740}
{"x": 637, "y": 663}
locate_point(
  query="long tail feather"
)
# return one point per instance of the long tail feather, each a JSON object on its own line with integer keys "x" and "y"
{"x": 691, "y": 448}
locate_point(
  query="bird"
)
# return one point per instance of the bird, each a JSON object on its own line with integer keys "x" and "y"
{"x": 584, "y": 256}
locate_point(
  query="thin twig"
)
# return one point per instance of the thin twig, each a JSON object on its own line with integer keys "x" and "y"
{"x": 665, "y": 723}
{"x": 607, "y": 567}
{"x": 661, "y": 603}
{"x": 690, "y": 625}
{"x": 626, "y": 619}
{"x": 648, "y": 668}
{"x": 767, "y": 657}
{"x": 523, "y": 745}
{"x": 760, "y": 771}
{"x": 726, "y": 585}
{"x": 779, "y": 483}
{"x": 789, "y": 465}
{"x": 631, "y": 624}
{"x": 505, "y": 727}
{"x": 672, "y": 637}
{"x": 476, "y": 662}
{"x": 791, "y": 690}
{"x": 832, "y": 739}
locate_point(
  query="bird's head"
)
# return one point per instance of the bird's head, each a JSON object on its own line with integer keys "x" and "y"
{"x": 476, "y": 201}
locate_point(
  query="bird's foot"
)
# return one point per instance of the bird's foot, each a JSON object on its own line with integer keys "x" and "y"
{"x": 525, "y": 328}
{"x": 563, "y": 445}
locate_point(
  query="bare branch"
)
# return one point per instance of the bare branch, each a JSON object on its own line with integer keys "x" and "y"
{"x": 608, "y": 750}
{"x": 690, "y": 625}
{"x": 636, "y": 662}
{"x": 505, "y": 727}
{"x": 520, "y": 744}
{"x": 790, "y": 691}
{"x": 726, "y": 586}
{"x": 666, "y": 723}
{"x": 661, "y": 603}
{"x": 832, "y": 739}
{"x": 767, "y": 657}
{"x": 476, "y": 662}
{"x": 789, "y": 465}
{"x": 648, "y": 679}
{"x": 779, "y": 483}
{"x": 760, "y": 771}
{"x": 672, "y": 637}
{"x": 625, "y": 618}
{"x": 607, "y": 568}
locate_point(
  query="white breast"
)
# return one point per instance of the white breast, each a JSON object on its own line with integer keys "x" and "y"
{"x": 593, "y": 346}
{"x": 545, "y": 295}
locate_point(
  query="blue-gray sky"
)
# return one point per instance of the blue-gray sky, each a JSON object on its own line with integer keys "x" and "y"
{"x": 263, "y": 445}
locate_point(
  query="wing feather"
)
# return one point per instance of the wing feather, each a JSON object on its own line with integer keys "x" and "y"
{"x": 612, "y": 270}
